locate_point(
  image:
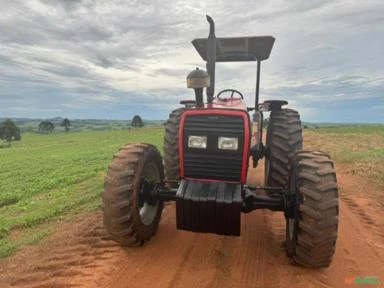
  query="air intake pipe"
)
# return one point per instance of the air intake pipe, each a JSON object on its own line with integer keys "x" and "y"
{"x": 211, "y": 59}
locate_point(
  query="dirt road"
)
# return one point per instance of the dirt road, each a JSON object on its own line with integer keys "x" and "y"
{"x": 81, "y": 255}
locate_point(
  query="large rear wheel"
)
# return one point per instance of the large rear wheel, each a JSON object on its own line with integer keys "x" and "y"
{"x": 171, "y": 146}
{"x": 131, "y": 209}
{"x": 284, "y": 138}
{"x": 311, "y": 229}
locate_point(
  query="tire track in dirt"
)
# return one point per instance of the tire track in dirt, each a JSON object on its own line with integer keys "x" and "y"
{"x": 81, "y": 255}
{"x": 363, "y": 202}
{"x": 71, "y": 263}
{"x": 258, "y": 258}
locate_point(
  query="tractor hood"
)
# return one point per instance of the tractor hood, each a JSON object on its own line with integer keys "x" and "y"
{"x": 235, "y": 49}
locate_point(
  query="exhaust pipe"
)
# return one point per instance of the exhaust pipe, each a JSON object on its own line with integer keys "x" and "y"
{"x": 211, "y": 59}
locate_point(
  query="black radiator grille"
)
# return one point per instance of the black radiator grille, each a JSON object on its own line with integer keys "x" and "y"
{"x": 213, "y": 163}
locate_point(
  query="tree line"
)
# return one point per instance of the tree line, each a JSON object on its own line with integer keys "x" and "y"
{"x": 48, "y": 126}
{"x": 10, "y": 132}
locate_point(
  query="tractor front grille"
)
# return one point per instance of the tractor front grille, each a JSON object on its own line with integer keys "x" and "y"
{"x": 213, "y": 163}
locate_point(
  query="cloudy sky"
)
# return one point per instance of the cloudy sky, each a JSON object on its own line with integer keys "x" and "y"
{"x": 113, "y": 59}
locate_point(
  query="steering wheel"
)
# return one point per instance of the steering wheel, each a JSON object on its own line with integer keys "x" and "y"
{"x": 233, "y": 92}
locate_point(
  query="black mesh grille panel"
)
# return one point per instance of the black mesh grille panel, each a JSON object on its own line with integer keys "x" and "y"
{"x": 213, "y": 163}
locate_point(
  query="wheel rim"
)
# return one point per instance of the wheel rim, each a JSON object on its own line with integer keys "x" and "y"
{"x": 148, "y": 211}
{"x": 291, "y": 227}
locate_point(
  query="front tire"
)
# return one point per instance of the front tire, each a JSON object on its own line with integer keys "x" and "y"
{"x": 312, "y": 231}
{"x": 131, "y": 210}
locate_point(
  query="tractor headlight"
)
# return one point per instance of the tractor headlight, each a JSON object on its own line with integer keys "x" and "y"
{"x": 228, "y": 143}
{"x": 199, "y": 142}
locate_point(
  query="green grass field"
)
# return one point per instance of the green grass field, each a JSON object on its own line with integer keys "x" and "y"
{"x": 360, "y": 149}
{"x": 46, "y": 177}
{"x": 52, "y": 177}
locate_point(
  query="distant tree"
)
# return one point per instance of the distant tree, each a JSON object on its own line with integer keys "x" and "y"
{"x": 9, "y": 131}
{"x": 66, "y": 124}
{"x": 305, "y": 127}
{"x": 46, "y": 127}
{"x": 137, "y": 122}
{"x": 17, "y": 134}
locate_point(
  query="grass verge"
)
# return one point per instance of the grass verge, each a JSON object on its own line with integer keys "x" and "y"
{"x": 46, "y": 178}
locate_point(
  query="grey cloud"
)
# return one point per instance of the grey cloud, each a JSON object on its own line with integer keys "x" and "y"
{"x": 58, "y": 53}
{"x": 68, "y": 5}
{"x": 334, "y": 95}
{"x": 365, "y": 15}
{"x": 172, "y": 72}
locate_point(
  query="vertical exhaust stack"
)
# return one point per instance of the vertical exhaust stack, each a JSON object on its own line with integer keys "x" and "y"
{"x": 211, "y": 59}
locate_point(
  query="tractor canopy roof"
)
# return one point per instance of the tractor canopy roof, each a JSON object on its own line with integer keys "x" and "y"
{"x": 257, "y": 48}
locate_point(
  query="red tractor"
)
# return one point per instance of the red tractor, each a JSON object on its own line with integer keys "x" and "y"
{"x": 207, "y": 149}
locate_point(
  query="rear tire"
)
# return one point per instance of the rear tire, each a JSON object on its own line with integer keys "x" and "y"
{"x": 171, "y": 146}
{"x": 312, "y": 231}
{"x": 129, "y": 217}
{"x": 284, "y": 138}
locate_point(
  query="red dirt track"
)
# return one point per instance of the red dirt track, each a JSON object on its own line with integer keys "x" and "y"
{"x": 81, "y": 255}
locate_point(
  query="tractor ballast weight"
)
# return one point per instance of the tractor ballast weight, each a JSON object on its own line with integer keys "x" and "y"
{"x": 208, "y": 146}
